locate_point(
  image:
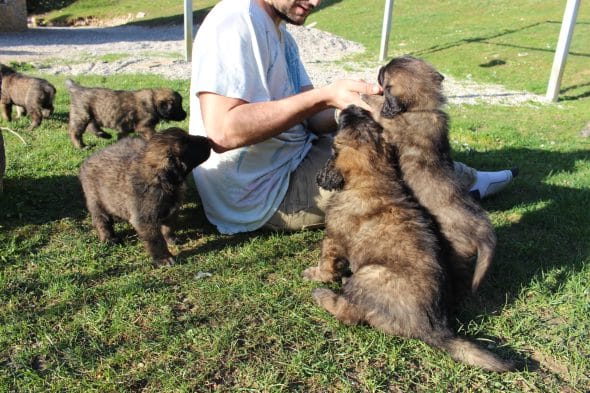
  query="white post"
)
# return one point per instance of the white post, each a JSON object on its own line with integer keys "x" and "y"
{"x": 563, "y": 45}
{"x": 188, "y": 29}
{"x": 387, "y": 15}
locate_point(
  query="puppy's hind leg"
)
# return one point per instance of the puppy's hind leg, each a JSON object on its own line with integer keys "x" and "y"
{"x": 338, "y": 306}
{"x": 103, "y": 223}
{"x": 36, "y": 116}
{"x": 331, "y": 263}
{"x": 76, "y": 128}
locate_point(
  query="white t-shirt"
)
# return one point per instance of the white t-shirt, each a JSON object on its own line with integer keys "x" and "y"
{"x": 238, "y": 53}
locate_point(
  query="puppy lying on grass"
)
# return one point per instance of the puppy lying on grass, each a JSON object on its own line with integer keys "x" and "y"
{"x": 124, "y": 111}
{"x": 32, "y": 96}
{"x": 399, "y": 282}
{"x": 142, "y": 182}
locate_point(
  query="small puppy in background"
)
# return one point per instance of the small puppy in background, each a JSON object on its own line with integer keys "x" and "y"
{"x": 124, "y": 111}
{"x": 398, "y": 283}
{"x": 410, "y": 111}
{"x": 142, "y": 182}
{"x": 30, "y": 95}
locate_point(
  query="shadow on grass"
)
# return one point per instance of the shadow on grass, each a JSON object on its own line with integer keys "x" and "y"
{"x": 36, "y": 201}
{"x": 552, "y": 232}
{"x": 487, "y": 40}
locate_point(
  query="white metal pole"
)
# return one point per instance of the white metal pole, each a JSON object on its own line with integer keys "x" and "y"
{"x": 563, "y": 45}
{"x": 188, "y": 29}
{"x": 387, "y": 15}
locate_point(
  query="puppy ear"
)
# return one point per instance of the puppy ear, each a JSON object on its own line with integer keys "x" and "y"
{"x": 330, "y": 178}
{"x": 391, "y": 105}
{"x": 173, "y": 172}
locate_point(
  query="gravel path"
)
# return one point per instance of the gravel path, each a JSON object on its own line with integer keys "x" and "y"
{"x": 159, "y": 50}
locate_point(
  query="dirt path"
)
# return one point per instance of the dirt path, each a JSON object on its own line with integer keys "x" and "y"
{"x": 160, "y": 50}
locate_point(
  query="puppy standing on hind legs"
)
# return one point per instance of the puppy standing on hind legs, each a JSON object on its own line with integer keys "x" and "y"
{"x": 142, "y": 182}
{"x": 410, "y": 111}
{"x": 400, "y": 289}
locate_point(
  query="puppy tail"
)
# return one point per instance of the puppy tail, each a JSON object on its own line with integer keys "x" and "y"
{"x": 485, "y": 255}
{"x": 469, "y": 353}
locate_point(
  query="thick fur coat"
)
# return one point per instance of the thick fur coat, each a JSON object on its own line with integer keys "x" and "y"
{"x": 30, "y": 95}
{"x": 375, "y": 227}
{"x": 92, "y": 108}
{"x": 415, "y": 125}
{"x": 142, "y": 182}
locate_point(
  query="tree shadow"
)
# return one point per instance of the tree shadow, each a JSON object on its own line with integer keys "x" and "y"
{"x": 36, "y": 201}
{"x": 487, "y": 40}
{"x": 551, "y": 234}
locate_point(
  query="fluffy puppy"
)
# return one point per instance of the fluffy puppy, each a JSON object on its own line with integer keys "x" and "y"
{"x": 30, "y": 95}
{"x": 398, "y": 283}
{"x": 410, "y": 111}
{"x": 142, "y": 182}
{"x": 124, "y": 111}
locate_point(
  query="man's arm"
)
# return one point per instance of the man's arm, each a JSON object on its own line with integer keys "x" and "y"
{"x": 232, "y": 123}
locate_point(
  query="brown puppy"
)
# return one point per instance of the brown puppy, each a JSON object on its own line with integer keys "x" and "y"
{"x": 30, "y": 95}
{"x": 410, "y": 111}
{"x": 124, "y": 111}
{"x": 398, "y": 283}
{"x": 142, "y": 182}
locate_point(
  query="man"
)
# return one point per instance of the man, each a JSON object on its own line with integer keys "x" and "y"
{"x": 251, "y": 95}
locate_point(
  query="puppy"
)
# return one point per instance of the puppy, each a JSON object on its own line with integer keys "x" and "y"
{"x": 398, "y": 283}
{"x": 124, "y": 111}
{"x": 411, "y": 114}
{"x": 142, "y": 182}
{"x": 30, "y": 95}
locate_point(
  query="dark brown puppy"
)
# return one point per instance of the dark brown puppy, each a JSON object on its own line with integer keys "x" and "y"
{"x": 124, "y": 111}
{"x": 410, "y": 111}
{"x": 30, "y": 95}
{"x": 398, "y": 283}
{"x": 142, "y": 182}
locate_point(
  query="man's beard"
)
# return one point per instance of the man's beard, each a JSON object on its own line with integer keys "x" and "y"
{"x": 286, "y": 18}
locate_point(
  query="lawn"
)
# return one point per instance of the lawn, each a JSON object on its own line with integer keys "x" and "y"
{"x": 80, "y": 316}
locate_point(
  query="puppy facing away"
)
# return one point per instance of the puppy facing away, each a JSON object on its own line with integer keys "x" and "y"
{"x": 124, "y": 111}
{"x": 410, "y": 111}
{"x": 398, "y": 283}
{"x": 30, "y": 95}
{"x": 142, "y": 182}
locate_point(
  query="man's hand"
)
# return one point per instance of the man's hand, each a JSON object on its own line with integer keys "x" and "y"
{"x": 347, "y": 92}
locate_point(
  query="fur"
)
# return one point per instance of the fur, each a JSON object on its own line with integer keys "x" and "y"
{"x": 30, "y": 95}
{"x": 92, "y": 108}
{"x": 410, "y": 111}
{"x": 142, "y": 182}
{"x": 398, "y": 283}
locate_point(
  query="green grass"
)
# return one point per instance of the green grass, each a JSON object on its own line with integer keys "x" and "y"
{"x": 79, "y": 316}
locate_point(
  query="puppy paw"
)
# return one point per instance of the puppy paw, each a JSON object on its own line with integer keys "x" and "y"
{"x": 111, "y": 239}
{"x": 315, "y": 274}
{"x": 320, "y": 295}
{"x": 169, "y": 261}
{"x": 104, "y": 135}
{"x": 172, "y": 240}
